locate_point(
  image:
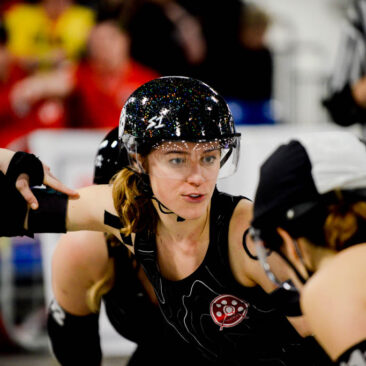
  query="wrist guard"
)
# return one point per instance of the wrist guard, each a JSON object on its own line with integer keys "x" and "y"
{"x": 50, "y": 217}
{"x": 13, "y": 209}
{"x": 25, "y": 163}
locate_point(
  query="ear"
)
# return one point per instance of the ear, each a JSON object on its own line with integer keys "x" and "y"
{"x": 288, "y": 244}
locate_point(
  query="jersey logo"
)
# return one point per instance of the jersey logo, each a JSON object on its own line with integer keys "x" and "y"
{"x": 154, "y": 124}
{"x": 228, "y": 310}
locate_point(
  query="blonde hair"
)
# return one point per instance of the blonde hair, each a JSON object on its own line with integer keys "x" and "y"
{"x": 342, "y": 223}
{"x": 100, "y": 288}
{"x": 131, "y": 204}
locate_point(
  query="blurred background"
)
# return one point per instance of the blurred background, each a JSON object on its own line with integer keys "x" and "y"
{"x": 67, "y": 67}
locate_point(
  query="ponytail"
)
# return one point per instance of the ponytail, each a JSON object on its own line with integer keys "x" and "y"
{"x": 134, "y": 209}
{"x": 342, "y": 223}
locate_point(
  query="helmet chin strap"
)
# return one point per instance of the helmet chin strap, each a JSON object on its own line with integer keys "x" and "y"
{"x": 147, "y": 191}
{"x": 165, "y": 210}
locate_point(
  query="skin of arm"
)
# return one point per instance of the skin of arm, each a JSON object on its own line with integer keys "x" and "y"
{"x": 334, "y": 301}
{"x": 5, "y": 157}
{"x": 248, "y": 271}
{"x": 79, "y": 261}
{"x": 87, "y": 212}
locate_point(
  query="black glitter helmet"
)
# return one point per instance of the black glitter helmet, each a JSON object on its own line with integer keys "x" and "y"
{"x": 177, "y": 108}
{"x": 110, "y": 158}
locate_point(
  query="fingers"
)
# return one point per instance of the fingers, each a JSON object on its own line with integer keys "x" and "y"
{"x": 22, "y": 185}
{"x": 51, "y": 181}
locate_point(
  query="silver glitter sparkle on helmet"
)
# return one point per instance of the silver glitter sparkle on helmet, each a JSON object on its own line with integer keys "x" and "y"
{"x": 178, "y": 108}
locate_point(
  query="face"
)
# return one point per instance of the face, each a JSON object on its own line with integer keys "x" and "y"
{"x": 108, "y": 46}
{"x": 183, "y": 176}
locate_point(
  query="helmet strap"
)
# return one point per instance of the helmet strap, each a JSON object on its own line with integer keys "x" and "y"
{"x": 148, "y": 193}
{"x": 165, "y": 210}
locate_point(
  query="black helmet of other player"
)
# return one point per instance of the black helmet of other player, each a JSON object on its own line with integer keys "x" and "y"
{"x": 110, "y": 158}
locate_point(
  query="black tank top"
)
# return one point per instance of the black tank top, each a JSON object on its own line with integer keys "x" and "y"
{"x": 135, "y": 317}
{"x": 229, "y": 323}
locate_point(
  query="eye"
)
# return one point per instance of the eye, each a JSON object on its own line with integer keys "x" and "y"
{"x": 209, "y": 159}
{"x": 177, "y": 161}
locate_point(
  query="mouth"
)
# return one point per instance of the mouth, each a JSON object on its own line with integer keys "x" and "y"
{"x": 194, "y": 197}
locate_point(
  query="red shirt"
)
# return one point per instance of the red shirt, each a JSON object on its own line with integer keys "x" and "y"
{"x": 44, "y": 114}
{"x": 100, "y": 99}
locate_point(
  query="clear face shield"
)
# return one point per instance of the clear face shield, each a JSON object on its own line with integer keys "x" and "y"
{"x": 179, "y": 160}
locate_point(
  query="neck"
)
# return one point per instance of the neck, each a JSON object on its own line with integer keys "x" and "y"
{"x": 315, "y": 256}
{"x": 188, "y": 230}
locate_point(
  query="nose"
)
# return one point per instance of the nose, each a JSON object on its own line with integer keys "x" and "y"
{"x": 195, "y": 175}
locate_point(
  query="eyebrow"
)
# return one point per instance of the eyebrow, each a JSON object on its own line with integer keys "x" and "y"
{"x": 176, "y": 152}
{"x": 187, "y": 153}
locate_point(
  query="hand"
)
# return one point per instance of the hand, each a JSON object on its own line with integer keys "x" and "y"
{"x": 21, "y": 179}
{"x": 22, "y": 185}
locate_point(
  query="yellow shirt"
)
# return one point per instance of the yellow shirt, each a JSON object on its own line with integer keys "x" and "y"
{"x": 33, "y": 34}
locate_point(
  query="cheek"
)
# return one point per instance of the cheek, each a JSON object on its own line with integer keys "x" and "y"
{"x": 164, "y": 189}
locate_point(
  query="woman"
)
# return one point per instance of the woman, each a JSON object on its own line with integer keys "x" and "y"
{"x": 180, "y": 137}
{"x": 310, "y": 207}
{"x": 79, "y": 283}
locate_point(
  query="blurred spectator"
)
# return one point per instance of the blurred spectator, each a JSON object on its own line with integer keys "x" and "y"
{"x": 16, "y": 117}
{"x": 246, "y": 71}
{"x": 110, "y": 10}
{"x": 98, "y": 87}
{"x": 6, "y": 4}
{"x": 346, "y": 94}
{"x": 165, "y": 36}
{"x": 45, "y": 34}
{"x": 220, "y": 26}
{"x": 241, "y": 69}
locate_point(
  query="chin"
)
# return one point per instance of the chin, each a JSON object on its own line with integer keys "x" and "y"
{"x": 192, "y": 214}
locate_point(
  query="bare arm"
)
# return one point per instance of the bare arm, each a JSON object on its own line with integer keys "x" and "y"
{"x": 87, "y": 212}
{"x": 79, "y": 261}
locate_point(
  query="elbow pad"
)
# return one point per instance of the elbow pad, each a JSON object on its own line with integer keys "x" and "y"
{"x": 74, "y": 339}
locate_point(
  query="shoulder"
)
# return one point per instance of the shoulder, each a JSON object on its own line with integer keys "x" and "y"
{"x": 84, "y": 251}
{"x": 333, "y": 301}
{"x": 341, "y": 276}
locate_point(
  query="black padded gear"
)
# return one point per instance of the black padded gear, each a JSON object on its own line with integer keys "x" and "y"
{"x": 50, "y": 217}
{"x": 13, "y": 209}
{"x": 74, "y": 339}
{"x": 26, "y": 163}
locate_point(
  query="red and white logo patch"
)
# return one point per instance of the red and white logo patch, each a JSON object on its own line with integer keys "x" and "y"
{"x": 228, "y": 310}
